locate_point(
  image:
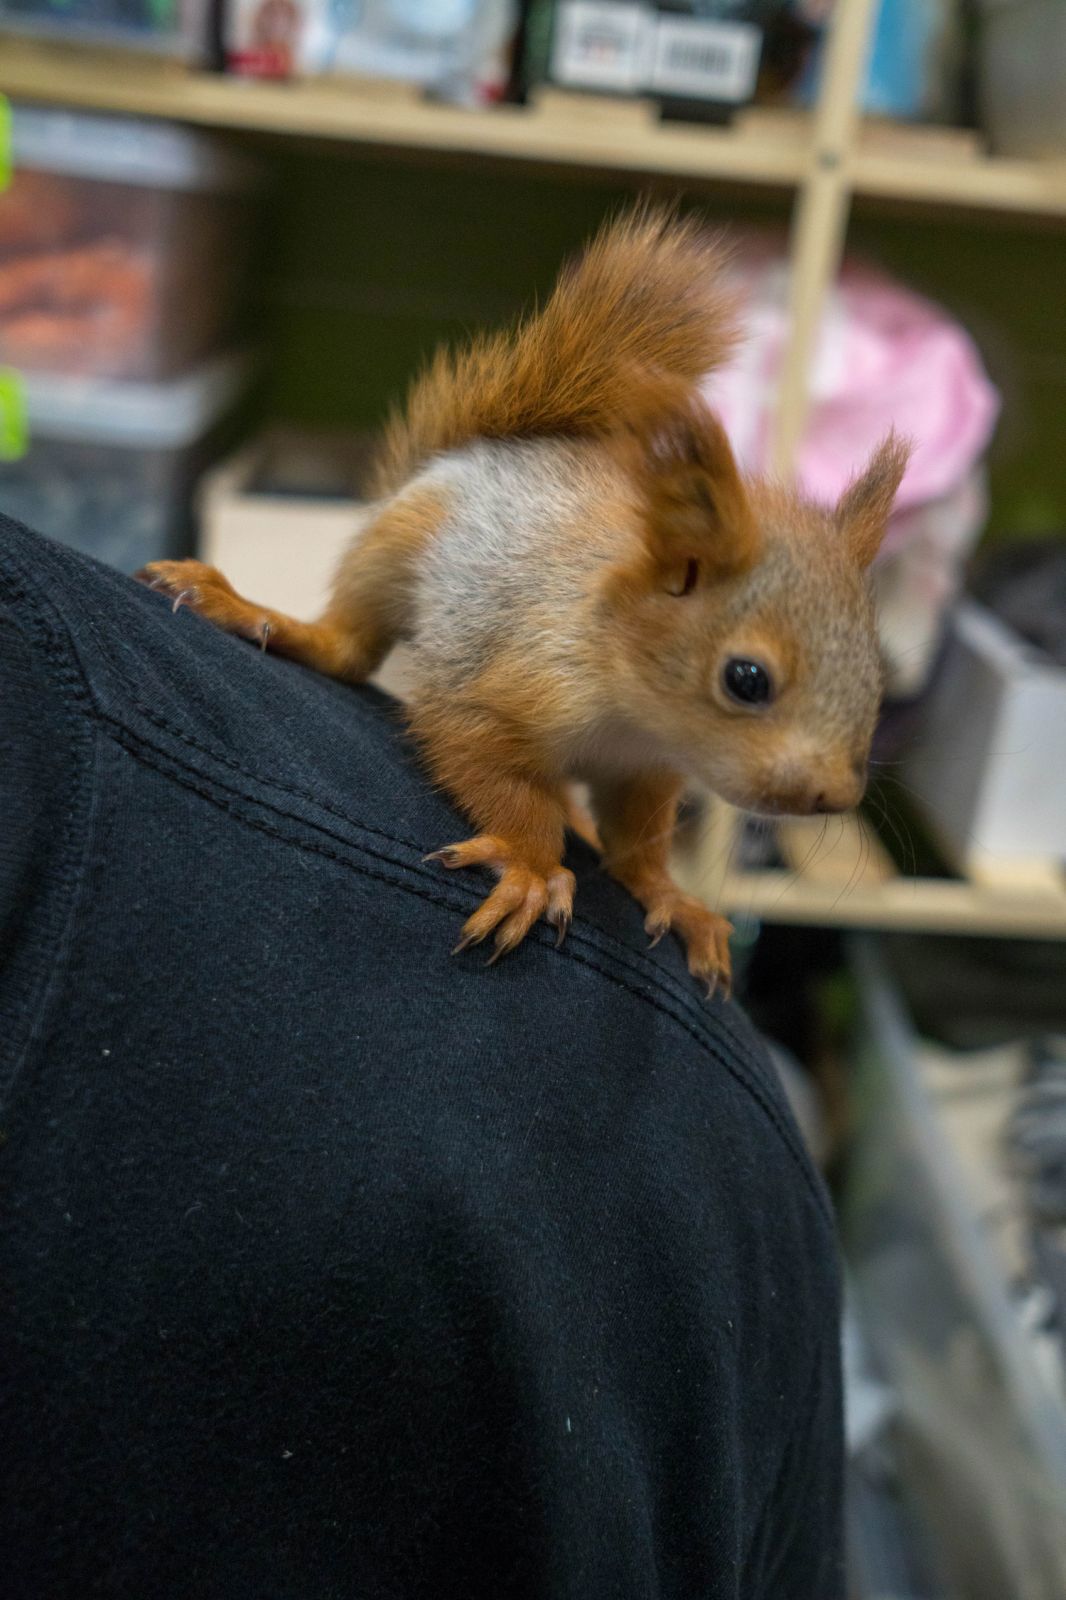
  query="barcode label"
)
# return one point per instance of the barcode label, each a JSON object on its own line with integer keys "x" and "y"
{"x": 705, "y": 60}
{"x": 600, "y": 44}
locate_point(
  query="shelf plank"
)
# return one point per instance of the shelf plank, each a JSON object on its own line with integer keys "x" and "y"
{"x": 603, "y": 136}
{"x": 841, "y": 876}
{"x": 1037, "y": 188}
{"x": 931, "y": 905}
{"x": 840, "y": 851}
{"x": 763, "y": 147}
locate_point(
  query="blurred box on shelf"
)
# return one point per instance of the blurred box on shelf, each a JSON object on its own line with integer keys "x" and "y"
{"x": 692, "y": 58}
{"x": 990, "y": 748}
{"x": 169, "y": 27}
{"x": 277, "y": 517}
{"x": 110, "y": 466}
{"x": 121, "y": 245}
{"x": 1021, "y": 60}
{"x": 456, "y": 48}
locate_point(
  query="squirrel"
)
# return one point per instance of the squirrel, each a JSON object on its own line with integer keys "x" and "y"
{"x": 593, "y": 593}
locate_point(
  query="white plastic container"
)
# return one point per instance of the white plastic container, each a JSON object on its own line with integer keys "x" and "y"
{"x": 111, "y": 467}
{"x": 989, "y": 755}
{"x": 121, "y": 245}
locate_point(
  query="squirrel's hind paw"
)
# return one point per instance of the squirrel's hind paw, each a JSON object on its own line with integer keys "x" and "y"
{"x": 205, "y": 590}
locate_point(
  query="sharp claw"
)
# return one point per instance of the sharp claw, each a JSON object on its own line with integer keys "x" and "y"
{"x": 264, "y": 634}
{"x": 465, "y": 942}
{"x": 447, "y": 857}
{"x": 563, "y": 927}
{"x": 181, "y": 598}
{"x": 712, "y": 985}
{"x": 659, "y": 934}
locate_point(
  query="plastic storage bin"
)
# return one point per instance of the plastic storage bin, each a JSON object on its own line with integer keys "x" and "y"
{"x": 121, "y": 245}
{"x": 172, "y": 27}
{"x": 981, "y": 1424}
{"x": 111, "y": 467}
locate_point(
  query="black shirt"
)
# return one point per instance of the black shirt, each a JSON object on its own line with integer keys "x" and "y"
{"x": 334, "y": 1266}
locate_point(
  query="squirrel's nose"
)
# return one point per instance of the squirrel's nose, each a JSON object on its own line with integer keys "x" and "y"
{"x": 841, "y": 792}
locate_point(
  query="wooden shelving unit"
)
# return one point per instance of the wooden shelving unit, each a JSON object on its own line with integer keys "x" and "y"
{"x": 823, "y": 159}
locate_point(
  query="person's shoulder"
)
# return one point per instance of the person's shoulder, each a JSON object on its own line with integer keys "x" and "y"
{"x": 326, "y": 768}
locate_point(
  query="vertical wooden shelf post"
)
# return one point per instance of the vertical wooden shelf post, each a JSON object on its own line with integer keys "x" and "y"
{"x": 820, "y": 215}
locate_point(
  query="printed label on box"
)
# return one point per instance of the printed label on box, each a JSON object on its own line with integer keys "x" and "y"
{"x": 600, "y": 44}
{"x": 702, "y": 60}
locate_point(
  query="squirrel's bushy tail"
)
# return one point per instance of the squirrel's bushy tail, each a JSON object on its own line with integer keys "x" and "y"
{"x": 628, "y": 331}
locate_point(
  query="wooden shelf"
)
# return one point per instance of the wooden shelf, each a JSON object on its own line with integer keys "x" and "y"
{"x": 577, "y": 131}
{"x": 837, "y": 878}
{"x": 1035, "y": 188}
{"x": 596, "y": 133}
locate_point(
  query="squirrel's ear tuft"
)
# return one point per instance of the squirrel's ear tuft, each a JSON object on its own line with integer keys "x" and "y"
{"x": 864, "y": 508}
{"x": 697, "y": 507}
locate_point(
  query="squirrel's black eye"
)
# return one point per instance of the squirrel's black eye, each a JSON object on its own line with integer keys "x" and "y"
{"x": 747, "y": 682}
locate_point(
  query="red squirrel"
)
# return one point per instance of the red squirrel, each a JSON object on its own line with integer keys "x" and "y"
{"x": 592, "y": 592}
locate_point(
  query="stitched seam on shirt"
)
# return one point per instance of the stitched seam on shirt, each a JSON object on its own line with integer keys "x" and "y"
{"x": 662, "y": 1002}
{"x": 41, "y": 621}
{"x": 279, "y": 786}
{"x": 223, "y": 757}
{"x": 639, "y": 965}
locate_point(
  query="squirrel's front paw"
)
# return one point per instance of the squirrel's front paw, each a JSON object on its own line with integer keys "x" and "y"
{"x": 704, "y": 934}
{"x": 522, "y": 896}
{"x": 205, "y": 590}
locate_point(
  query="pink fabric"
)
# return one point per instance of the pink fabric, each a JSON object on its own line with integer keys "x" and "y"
{"x": 885, "y": 357}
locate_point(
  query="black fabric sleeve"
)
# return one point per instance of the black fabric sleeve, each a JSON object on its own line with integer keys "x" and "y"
{"x": 334, "y": 1266}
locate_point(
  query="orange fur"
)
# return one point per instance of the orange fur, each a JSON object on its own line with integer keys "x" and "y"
{"x": 627, "y": 332}
{"x": 696, "y": 507}
{"x": 865, "y": 506}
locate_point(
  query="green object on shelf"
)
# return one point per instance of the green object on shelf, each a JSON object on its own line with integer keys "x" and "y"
{"x": 5, "y": 142}
{"x": 14, "y": 432}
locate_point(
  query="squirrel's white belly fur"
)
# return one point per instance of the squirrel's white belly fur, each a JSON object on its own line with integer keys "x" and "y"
{"x": 505, "y": 567}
